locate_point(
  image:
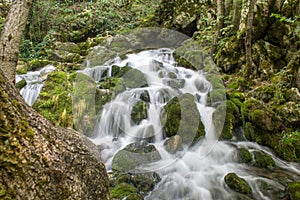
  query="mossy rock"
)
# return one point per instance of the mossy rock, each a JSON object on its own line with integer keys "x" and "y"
{"x": 134, "y": 78}
{"x": 134, "y": 155}
{"x": 118, "y": 71}
{"x": 260, "y": 123}
{"x": 122, "y": 190}
{"x": 243, "y": 155}
{"x": 37, "y": 64}
{"x": 67, "y": 46}
{"x": 139, "y": 112}
{"x": 55, "y": 101}
{"x": 134, "y": 197}
{"x": 261, "y": 159}
{"x": 22, "y": 83}
{"x": 289, "y": 146}
{"x": 293, "y": 191}
{"x": 237, "y": 183}
{"x": 183, "y": 119}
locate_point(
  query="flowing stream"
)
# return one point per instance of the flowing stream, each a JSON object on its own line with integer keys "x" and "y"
{"x": 196, "y": 172}
{"x": 34, "y": 83}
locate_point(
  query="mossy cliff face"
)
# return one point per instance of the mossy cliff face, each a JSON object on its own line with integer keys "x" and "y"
{"x": 38, "y": 160}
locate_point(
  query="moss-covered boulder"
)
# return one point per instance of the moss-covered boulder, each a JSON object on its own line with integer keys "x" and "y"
{"x": 260, "y": 123}
{"x": 261, "y": 159}
{"x": 22, "y": 83}
{"x": 134, "y": 155}
{"x": 183, "y": 119}
{"x": 293, "y": 191}
{"x": 139, "y": 111}
{"x": 243, "y": 155}
{"x": 237, "y": 183}
{"x": 134, "y": 78}
{"x": 289, "y": 146}
{"x": 122, "y": 191}
{"x": 55, "y": 100}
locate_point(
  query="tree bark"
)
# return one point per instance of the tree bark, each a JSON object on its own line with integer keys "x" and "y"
{"x": 40, "y": 161}
{"x": 219, "y": 25}
{"x": 11, "y": 36}
{"x": 248, "y": 42}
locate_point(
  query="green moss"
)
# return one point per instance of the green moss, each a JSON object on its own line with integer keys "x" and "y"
{"x": 21, "y": 84}
{"x": 139, "y": 112}
{"x": 293, "y": 191}
{"x": 237, "y": 184}
{"x": 244, "y": 156}
{"x": 2, "y": 190}
{"x": 183, "y": 118}
{"x": 289, "y": 146}
{"x": 263, "y": 160}
{"x": 122, "y": 190}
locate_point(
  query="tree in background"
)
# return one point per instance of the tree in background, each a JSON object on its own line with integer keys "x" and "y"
{"x": 248, "y": 42}
{"x": 10, "y": 38}
{"x": 219, "y": 25}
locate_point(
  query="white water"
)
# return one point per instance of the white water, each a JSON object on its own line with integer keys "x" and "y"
{"x": 34, "y": 80}
{"x": 195, "y": 173}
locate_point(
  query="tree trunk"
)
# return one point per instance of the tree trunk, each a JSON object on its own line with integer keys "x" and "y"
{"x": 219, "y": 25}
{"x": 40, "y": 161}
{"x": 249, "y": 62}
{"x": 11, "y": 36}
{"x": 236, "y": 16}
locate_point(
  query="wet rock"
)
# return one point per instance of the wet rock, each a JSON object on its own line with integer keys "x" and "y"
{"x": 243, "y": 155}
{"x": 22, "y": 83}
{"x": 183, "y": 119}
{"x": 261, "y": 159}
{"x": 145, "y": 182}
{"x": 139, "y": 112}
{"x": 65, "y": 56}
{"x": 293, "y": 191}
{"x": 118, "y": 71}
{"x": 134, "y": 79}
{"x": 176, "y": 83}
{"x": 237, "y": 183}
{"x": 145, "y": 96}
{"x": 173, "y": 144}
{"x": 134, "y": 155}
{"x": 122, "y": 190}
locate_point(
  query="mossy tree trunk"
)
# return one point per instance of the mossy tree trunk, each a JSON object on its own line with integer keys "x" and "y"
{"x": 41, "y": 161}
{"x": 11, "y": 36}
{"x": 248, "y": 42}
{"x": 219, "y": 25}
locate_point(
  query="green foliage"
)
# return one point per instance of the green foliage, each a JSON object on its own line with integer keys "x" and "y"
{"x": 294, "y": 22}
{"x": 289, "y": 146}
{"x": 122, "y": 190}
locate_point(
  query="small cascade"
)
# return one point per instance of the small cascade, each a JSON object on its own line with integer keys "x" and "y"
{"x": 34, "y": 83}
{"x": 196, "y": 171}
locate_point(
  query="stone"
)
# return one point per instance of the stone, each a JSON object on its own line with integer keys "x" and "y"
{"x": 134, "y": 155}
{"x": 173, "y": 144}
{"x": 237, "y": 183}
{"x": 293, "y": 191}
{"x": 139, "y": 112}
{"x": 261, "y": 159}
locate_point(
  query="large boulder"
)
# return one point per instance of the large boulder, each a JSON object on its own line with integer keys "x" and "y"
{"x": 134, "y": 155}
{"x": 183, "y": 119}
{"x": 237, "y": 183}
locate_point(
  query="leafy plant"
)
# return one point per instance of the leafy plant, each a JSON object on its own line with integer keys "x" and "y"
{"x": 289, "y": 146}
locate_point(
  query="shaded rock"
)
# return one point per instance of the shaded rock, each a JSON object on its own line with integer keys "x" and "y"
{"x": 261, "y": 159}
{"x": 293, "y": 191}
{"x": 145, "y": 96}
{"x": 134, "y": 155}
{"x": 237, "y": 183}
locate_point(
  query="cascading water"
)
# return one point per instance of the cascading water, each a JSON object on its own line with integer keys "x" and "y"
{"x": 196, "y": 172}
{"x": 34, "y": 83}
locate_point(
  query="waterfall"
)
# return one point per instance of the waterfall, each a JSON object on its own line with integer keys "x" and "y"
{"x": 34, "y": 83}
{"x": 197, "y": 171}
